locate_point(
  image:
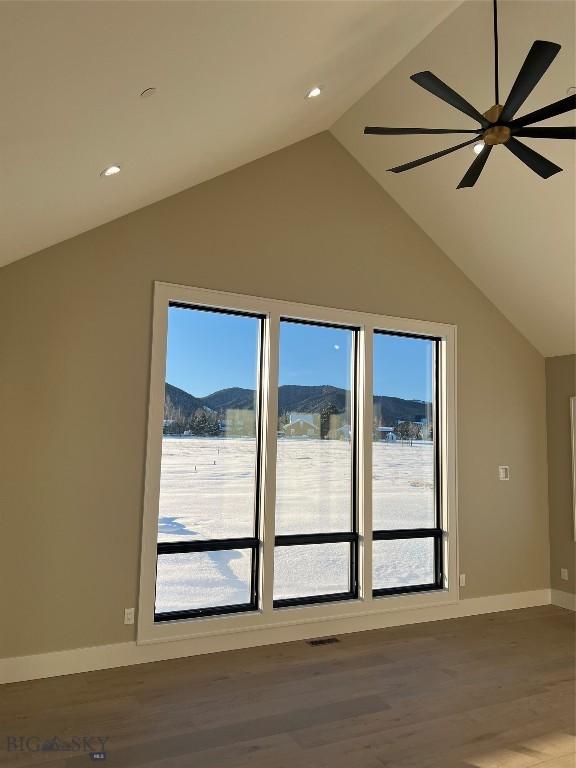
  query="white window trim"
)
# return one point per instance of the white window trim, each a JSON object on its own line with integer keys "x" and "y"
{"x": 266, "y": 618}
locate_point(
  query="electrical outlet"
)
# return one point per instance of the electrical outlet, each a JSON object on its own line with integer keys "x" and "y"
{"x": 504, "y": 473}
{"x": 128, "y": 615}
{"x": 564, "y": 574}
{"x": 462, "y": 579}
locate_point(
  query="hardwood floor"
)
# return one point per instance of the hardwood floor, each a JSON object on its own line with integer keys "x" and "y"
{"x": 493, "y": 691}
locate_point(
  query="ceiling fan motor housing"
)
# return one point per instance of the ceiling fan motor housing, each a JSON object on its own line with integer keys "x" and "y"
{"x": 496, "y": 134}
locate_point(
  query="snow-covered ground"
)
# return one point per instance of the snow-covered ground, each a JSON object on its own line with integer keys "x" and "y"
{"x": 207, "y": 491}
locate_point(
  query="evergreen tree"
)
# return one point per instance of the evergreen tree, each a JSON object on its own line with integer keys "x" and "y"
{"x": 326, "y": 413}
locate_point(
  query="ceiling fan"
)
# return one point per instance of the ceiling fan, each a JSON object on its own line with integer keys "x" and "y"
{"x": 498, "y": 124}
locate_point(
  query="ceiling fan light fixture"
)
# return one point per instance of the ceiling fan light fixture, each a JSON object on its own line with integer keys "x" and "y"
{"x": 314, "y": 92}
{"x": 478, "y": 147}
{"x": 111, "y": 170}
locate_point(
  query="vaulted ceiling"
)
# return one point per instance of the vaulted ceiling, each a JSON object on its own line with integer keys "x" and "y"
{"x": 231, "y": 79}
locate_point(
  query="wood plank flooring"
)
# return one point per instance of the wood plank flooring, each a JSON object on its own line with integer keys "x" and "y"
{"x": 493, "y": 691}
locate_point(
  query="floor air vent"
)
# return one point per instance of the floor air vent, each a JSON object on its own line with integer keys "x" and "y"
{"x": 323, "y": 641}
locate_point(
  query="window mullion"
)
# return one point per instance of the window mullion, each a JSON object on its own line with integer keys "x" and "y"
{"x": 444, "y": 424}
{"x": 394, "y": 534}
{"x": 269, "y": 421}
{"x": 364, "y": 436}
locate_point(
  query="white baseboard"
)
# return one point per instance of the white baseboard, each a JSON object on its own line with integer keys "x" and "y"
{"x": 125, "y": 654}
{"x": 564, "y": 599}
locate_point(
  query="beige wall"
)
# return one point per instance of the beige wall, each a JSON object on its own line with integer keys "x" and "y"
{"x": 304, "y": 224}
{"x": 560, "y": 387}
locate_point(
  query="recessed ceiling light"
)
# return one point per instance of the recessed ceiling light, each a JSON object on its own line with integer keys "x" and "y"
{"x": 147, "y": 92}
{"x": 112, "y": 170}
{"x": 478, "y": 147}
{"x": 313, "y": 92}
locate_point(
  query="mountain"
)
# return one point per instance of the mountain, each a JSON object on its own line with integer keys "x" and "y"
{"x": 292, "y": 397}
{"x": 389, "y": 410}
{"x": 234, "y": 397}
{"x": 181, "y": 401}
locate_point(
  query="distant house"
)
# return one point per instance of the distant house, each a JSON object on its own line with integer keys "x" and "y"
{"x": 302, "y": 425}
{"x": 311, "y": 418}
{"x": 385, "y": 433}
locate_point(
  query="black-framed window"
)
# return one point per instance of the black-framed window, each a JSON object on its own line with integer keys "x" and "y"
{"x": 407, "y": 551}
{"x": 316, "y": 543}
{"x": 243, "y": 388}
{"x": 208, "y": 527}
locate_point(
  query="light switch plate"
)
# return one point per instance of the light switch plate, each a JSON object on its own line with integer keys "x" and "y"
{"x": 504, "y": 473}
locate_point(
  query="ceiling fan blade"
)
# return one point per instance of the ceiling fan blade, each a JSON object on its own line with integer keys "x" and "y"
{"x": 428, "y": 158}
{"x": 471, "y": 176}
{"x": 557, "y": 108}
{"x": 547, "y": 133}
{"x": 533, "y": 160}
{"x": 375, "y": 129}
{"x": 539, "y": 58}
{"x": 434, "y": 85}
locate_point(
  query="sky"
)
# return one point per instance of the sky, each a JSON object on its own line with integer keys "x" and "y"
{"x": 208, "y": 351}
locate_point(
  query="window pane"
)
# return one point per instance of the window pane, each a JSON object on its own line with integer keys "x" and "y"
{"x": 209, "y": 449}
{"x": 403, "y": 463}
{"x": 196, "y": 580}
{"x": 311, "y": 570}
{"x": 403, "y": 563}
{"x": 314, "y": 464}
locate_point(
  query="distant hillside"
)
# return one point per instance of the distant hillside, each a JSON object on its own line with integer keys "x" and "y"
{"x": 180, "y": 400}
{"x": 234, "y": 397}
{"x": 291, "y": 397}
{"x": 389, "y": 410}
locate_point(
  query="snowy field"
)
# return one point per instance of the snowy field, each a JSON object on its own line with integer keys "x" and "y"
{"x": 207, "y": 491}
